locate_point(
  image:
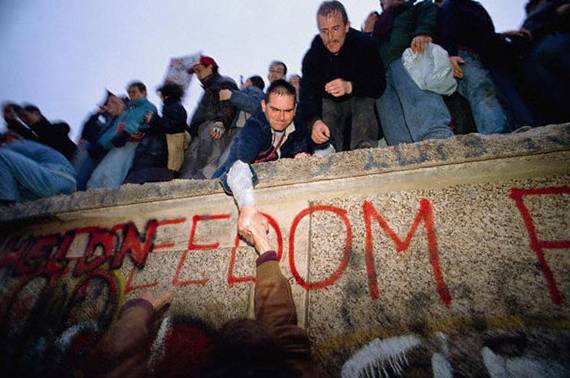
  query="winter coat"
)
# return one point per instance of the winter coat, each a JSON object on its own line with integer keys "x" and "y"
{"x": 128, "y": 125}
{"x": 56, "y": 136}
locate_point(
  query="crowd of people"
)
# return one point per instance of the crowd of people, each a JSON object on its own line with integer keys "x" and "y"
{"x": 355, "y": 91}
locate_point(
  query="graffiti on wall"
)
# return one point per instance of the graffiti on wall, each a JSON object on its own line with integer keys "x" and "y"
{"x": 80, "y": 290}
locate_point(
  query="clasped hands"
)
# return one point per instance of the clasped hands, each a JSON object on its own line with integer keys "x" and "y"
{"x": 253, "y": 228}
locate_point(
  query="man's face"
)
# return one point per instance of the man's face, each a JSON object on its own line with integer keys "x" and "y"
{"x": 115, "y": 106}
{"x": 10, "y": 114}
{"x": 333, "y": 31}
{"x": 202, "y": 71}
{"x": 279, "y": 110}
{"x": 387, "y": 4}
{"x": 275, "y": 72}
{"x": 135, "y": 93}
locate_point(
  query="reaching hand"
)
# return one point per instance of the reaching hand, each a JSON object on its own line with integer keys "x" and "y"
{"x": 252, "y": 225}
{"x": 338, "y": 87}
{"x": 225, "y": 94}
{"x": 455, "y": 65}
{"x": 419, "y": 43}
{"x": 148, "y": 117}
{"x": 320, "y": 133}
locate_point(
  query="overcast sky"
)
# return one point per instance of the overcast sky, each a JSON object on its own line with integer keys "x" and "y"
{"x": 61, "y": 54}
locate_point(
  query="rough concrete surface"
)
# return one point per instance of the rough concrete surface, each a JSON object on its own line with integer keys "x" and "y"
{"x": 448, "y": 256}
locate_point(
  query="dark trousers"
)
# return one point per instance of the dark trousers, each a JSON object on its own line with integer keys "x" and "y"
{"x": 357, "y": 114}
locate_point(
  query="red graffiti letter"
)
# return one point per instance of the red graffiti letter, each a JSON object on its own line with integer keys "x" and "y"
{"x": 58, "y": 263}
{"x": 176, "y": 281}
{"x": 98, "y": 237}
{"x": 425, "y": 213}
{"x": 232, "y": 280}
{"x": 13, "y": 249}
{"x": 133, "y": 244}
{"x": 537, "y": 245}
{"x": 38, "y": 255}
{"x": 345, "y": 256}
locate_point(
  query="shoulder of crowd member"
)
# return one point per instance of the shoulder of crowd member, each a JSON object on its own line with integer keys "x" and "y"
{"x": 61, "y": 127}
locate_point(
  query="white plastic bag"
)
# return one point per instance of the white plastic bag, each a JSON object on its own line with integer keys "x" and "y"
{"x": 431, "y": 69}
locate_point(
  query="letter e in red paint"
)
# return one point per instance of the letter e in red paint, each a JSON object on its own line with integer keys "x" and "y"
{"x": 176, "y": 281}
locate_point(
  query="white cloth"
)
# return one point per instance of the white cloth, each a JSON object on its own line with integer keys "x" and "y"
{"x": 240, "y": 181}
{"x": 430, "y": 70}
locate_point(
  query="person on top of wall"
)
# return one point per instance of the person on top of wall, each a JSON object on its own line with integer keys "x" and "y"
{"x": 119, "y": 143}
{"x": 210, "y": 123}
{"x": 160, "y": 154}
{"x": 90, "y": 153}
{"x": 267, "y": 136}
{"x": 544, "y": 43}
{"x": 30, "y": 170}
{"x": 14, "y": 124}
{"x": 342, "y": 75}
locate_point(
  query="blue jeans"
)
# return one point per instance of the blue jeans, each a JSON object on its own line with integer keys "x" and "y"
{"x": 409, "y": 114}
{"x": 113, "y": 169}
{"x": 479, "y": 89}
{"x": 30, "y": 171}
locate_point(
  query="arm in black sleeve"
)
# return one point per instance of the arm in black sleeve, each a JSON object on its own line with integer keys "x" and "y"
{"x": 311, "y": 89}
{"x": 226, "y": 111}
{"x": 371, "y": 78}
{"x": 173, "y": 120}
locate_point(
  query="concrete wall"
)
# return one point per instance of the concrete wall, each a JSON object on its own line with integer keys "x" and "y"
{"x": 430, "y": 258}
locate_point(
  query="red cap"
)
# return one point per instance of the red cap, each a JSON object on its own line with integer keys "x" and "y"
{"x": 206, "y": 61}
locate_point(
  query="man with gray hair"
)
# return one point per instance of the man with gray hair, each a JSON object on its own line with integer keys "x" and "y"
{"x": 342, "y": 75}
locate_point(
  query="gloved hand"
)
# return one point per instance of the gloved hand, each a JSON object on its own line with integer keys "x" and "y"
{"x": 217, "y": 130}
{"x": 120, "y": 139}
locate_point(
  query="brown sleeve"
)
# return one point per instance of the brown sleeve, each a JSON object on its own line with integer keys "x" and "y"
{"x": 125, "y": 346}
{"x": 274, "y": 307}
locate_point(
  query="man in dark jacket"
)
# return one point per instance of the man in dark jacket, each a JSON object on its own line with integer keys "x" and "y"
{"x": 210, "y": 124}
{"x": 267, "y": 136}
{"x": 342, "y": 76}
{"x": 466, "y": 31}
{"x": 13, "y": 124}
{"x": 54, "y": 135}
{"x": 545, "y": 67}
